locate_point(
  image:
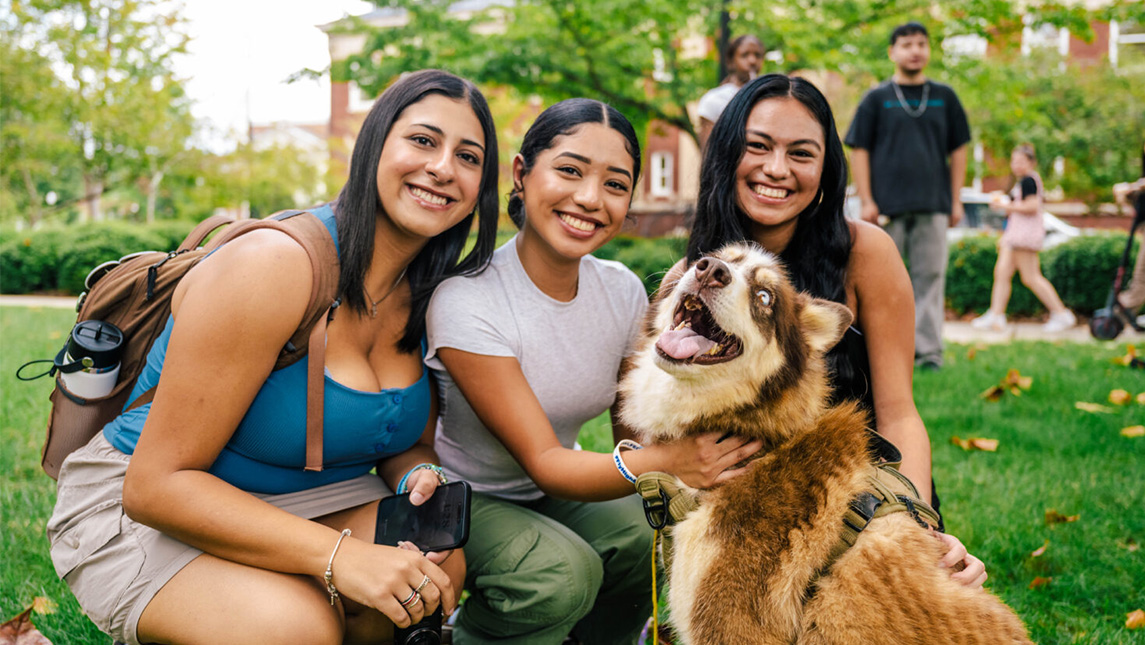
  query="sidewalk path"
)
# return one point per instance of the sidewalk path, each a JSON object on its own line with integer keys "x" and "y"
{"x": 50, "y": 302}
{"x": 953, "y": 331}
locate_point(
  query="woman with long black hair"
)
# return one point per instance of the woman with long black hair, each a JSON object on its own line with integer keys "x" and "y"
{"x": 191, "y": 519}
{"x": 774, "y": 173}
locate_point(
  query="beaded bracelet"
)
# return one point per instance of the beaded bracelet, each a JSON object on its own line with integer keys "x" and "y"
{"x": 437, "y": 470}
{"x": 620, "y": 465}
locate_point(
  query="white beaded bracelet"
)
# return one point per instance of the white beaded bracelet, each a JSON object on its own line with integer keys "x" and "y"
{"x": 620, "y": 465}
{"x": 329, "y": 575}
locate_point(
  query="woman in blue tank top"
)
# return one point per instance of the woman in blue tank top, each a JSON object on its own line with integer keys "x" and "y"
{"x": 191, "y": 519}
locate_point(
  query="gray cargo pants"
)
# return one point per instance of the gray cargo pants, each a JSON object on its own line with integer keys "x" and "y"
{"x": 921, "y": 241}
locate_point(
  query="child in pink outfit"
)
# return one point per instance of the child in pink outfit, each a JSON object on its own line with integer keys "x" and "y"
{"x": 1019, "y": 245}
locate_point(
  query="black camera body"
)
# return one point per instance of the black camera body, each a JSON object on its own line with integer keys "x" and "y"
{"x": 426, "y": 631}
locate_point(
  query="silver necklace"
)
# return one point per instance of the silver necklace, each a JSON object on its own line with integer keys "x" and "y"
{"x": 374, "y": 303}
{"x": 906, "y": 107}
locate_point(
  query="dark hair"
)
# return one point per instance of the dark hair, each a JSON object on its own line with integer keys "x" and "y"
{"x": 564, "y": 118}
{"x": 736, "y": 43}
{"x": 358, "y": 205}
{"x": 818, "y": 252}
{"x": 909, "y": 29}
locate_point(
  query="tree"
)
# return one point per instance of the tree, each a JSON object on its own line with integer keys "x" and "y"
{"x": 650, "y": 59}
{"x": 34, "y": 146}
{"x": 114, "y": 57}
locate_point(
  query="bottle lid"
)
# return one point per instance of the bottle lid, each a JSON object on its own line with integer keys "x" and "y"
{"x": 100, "y": 341}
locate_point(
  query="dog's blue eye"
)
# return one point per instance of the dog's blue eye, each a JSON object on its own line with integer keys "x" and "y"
{"x": 764, "y": 297}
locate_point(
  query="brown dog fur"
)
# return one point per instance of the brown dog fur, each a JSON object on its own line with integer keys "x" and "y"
{"x": 744, "y": 565}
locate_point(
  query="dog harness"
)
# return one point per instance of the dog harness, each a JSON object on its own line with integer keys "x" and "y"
{"x": 887, "y": 491}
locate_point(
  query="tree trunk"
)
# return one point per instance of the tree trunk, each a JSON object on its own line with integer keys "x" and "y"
{"x": 153, "y": 194}
{"x": 92, "y": 192}
{"x": 34, "y": 210}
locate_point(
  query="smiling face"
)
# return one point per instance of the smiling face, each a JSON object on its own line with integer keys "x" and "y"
{"x": 577, "y": 193}
{"x": 910, "y": 54}
{"x": 782, "y": 165}
{"x": 429, "y": 172}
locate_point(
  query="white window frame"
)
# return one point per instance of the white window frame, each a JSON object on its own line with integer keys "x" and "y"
{"x": 661, "y": 166}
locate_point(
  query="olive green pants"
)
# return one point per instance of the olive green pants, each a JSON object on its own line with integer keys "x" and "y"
{"x": 541, "y": 570}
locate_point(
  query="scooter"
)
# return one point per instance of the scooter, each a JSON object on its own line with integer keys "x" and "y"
{"x": 1109, "y": 321}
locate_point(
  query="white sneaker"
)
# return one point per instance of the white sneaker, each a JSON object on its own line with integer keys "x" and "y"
{"x": 1059, "y": 322}
{"x": 990, "y": 320}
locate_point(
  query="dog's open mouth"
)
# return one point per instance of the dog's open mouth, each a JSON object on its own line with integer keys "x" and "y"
{"x": 695, "y": 337}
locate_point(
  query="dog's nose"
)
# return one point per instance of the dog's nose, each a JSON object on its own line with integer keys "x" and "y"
{"x": 713, "y": 273}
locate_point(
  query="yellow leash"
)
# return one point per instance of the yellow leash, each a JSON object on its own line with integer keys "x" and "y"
{"x": 655, "y": 599}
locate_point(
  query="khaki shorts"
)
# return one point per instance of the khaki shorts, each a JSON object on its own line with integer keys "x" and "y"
{"x": 114, "y": 565}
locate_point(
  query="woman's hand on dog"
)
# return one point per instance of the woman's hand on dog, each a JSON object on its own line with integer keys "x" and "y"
{"x": 965, "y": 568}
{"x": 704, "y": 461}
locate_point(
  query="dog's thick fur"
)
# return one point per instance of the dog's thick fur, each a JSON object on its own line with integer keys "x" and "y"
{"x": 744, "y": 565}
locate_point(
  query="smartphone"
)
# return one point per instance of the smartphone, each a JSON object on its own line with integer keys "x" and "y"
{"x": 440, "y": 524}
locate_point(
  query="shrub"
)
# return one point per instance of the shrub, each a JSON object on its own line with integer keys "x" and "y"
{"x": 28, "y": 260}
{"x": 1080, "y": 269}
{"x": 58, "y": 259}
{"x": 649, "y": 258}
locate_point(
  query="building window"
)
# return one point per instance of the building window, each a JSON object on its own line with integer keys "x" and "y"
{"x": 661, "y": 172}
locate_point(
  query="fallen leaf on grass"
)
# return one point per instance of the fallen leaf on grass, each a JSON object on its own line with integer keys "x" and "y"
{"x": 1013, "y": 383}
{"x": 1054, "y": 517}
{"x": 1129, "y": 545}
{"x": 1120, "y": 397}
{"x": 993, "y": 393}
{"x": 21, "y": 631}
{"x": 1133, "y": 431}
{"x": 1130, "y": 354}
{"x": 973, "y": 351}
{"x": 43, "y": 605}
{"x": 1135, "y": 619}
{"x": 1141, "y": 398}
{"x": 975, "y": 443}
{"x": 1040, "y": 550}
{"x": 1015, "y": 378}
{"x": 1092, "y": 407}
{"x": 1039, "y": 582}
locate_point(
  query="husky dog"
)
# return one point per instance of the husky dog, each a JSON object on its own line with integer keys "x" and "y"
{"x": 733, "y": 347}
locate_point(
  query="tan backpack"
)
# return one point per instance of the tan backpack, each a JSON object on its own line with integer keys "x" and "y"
{"x": 134, "y": 294}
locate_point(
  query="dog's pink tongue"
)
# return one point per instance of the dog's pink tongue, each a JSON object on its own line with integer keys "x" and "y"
{"x": 683, "y": 343}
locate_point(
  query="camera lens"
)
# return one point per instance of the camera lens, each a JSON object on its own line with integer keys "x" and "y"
{"x": 424, "y": 636}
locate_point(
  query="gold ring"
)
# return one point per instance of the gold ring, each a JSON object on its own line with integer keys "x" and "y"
{"x": 424, "y": 582}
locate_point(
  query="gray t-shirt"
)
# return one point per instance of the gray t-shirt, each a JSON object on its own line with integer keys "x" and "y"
{"x": 569, "y": 352}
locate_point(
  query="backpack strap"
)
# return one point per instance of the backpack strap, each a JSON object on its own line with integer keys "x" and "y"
{"x": 310, "y": 337}
{"x": 204, "y": 228}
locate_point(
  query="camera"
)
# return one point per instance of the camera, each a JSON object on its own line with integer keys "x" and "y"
{"x": 426, "y": 631}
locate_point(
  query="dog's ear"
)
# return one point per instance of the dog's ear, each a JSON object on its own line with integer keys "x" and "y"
{"x": 824, "y": 322}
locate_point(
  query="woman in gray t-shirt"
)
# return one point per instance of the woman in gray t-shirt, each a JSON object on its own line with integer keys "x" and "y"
{"x": 527, "y": 352}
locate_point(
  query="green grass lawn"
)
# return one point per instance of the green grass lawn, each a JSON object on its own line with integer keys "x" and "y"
{"x": 1050, "y": 456}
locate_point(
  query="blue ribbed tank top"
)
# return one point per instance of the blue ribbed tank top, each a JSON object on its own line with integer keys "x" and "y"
{"x": 267, "y": 452}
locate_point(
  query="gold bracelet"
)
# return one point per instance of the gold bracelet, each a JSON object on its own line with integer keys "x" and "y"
{"x": 329, "y": 575}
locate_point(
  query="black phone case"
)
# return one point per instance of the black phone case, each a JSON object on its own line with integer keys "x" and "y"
{"x": 460, "y": 529}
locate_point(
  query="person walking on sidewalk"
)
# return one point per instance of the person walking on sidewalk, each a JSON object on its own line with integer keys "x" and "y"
{"x": 908, "y": 141}
{"x": 1018, "y": 248}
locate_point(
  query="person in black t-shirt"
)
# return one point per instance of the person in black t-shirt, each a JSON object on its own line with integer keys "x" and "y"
{"x": 902, "y": 137}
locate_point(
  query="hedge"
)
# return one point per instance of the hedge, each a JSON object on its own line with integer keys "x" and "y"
{"x": 57, "y": 260}
{"x": 1081, "y": 269}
